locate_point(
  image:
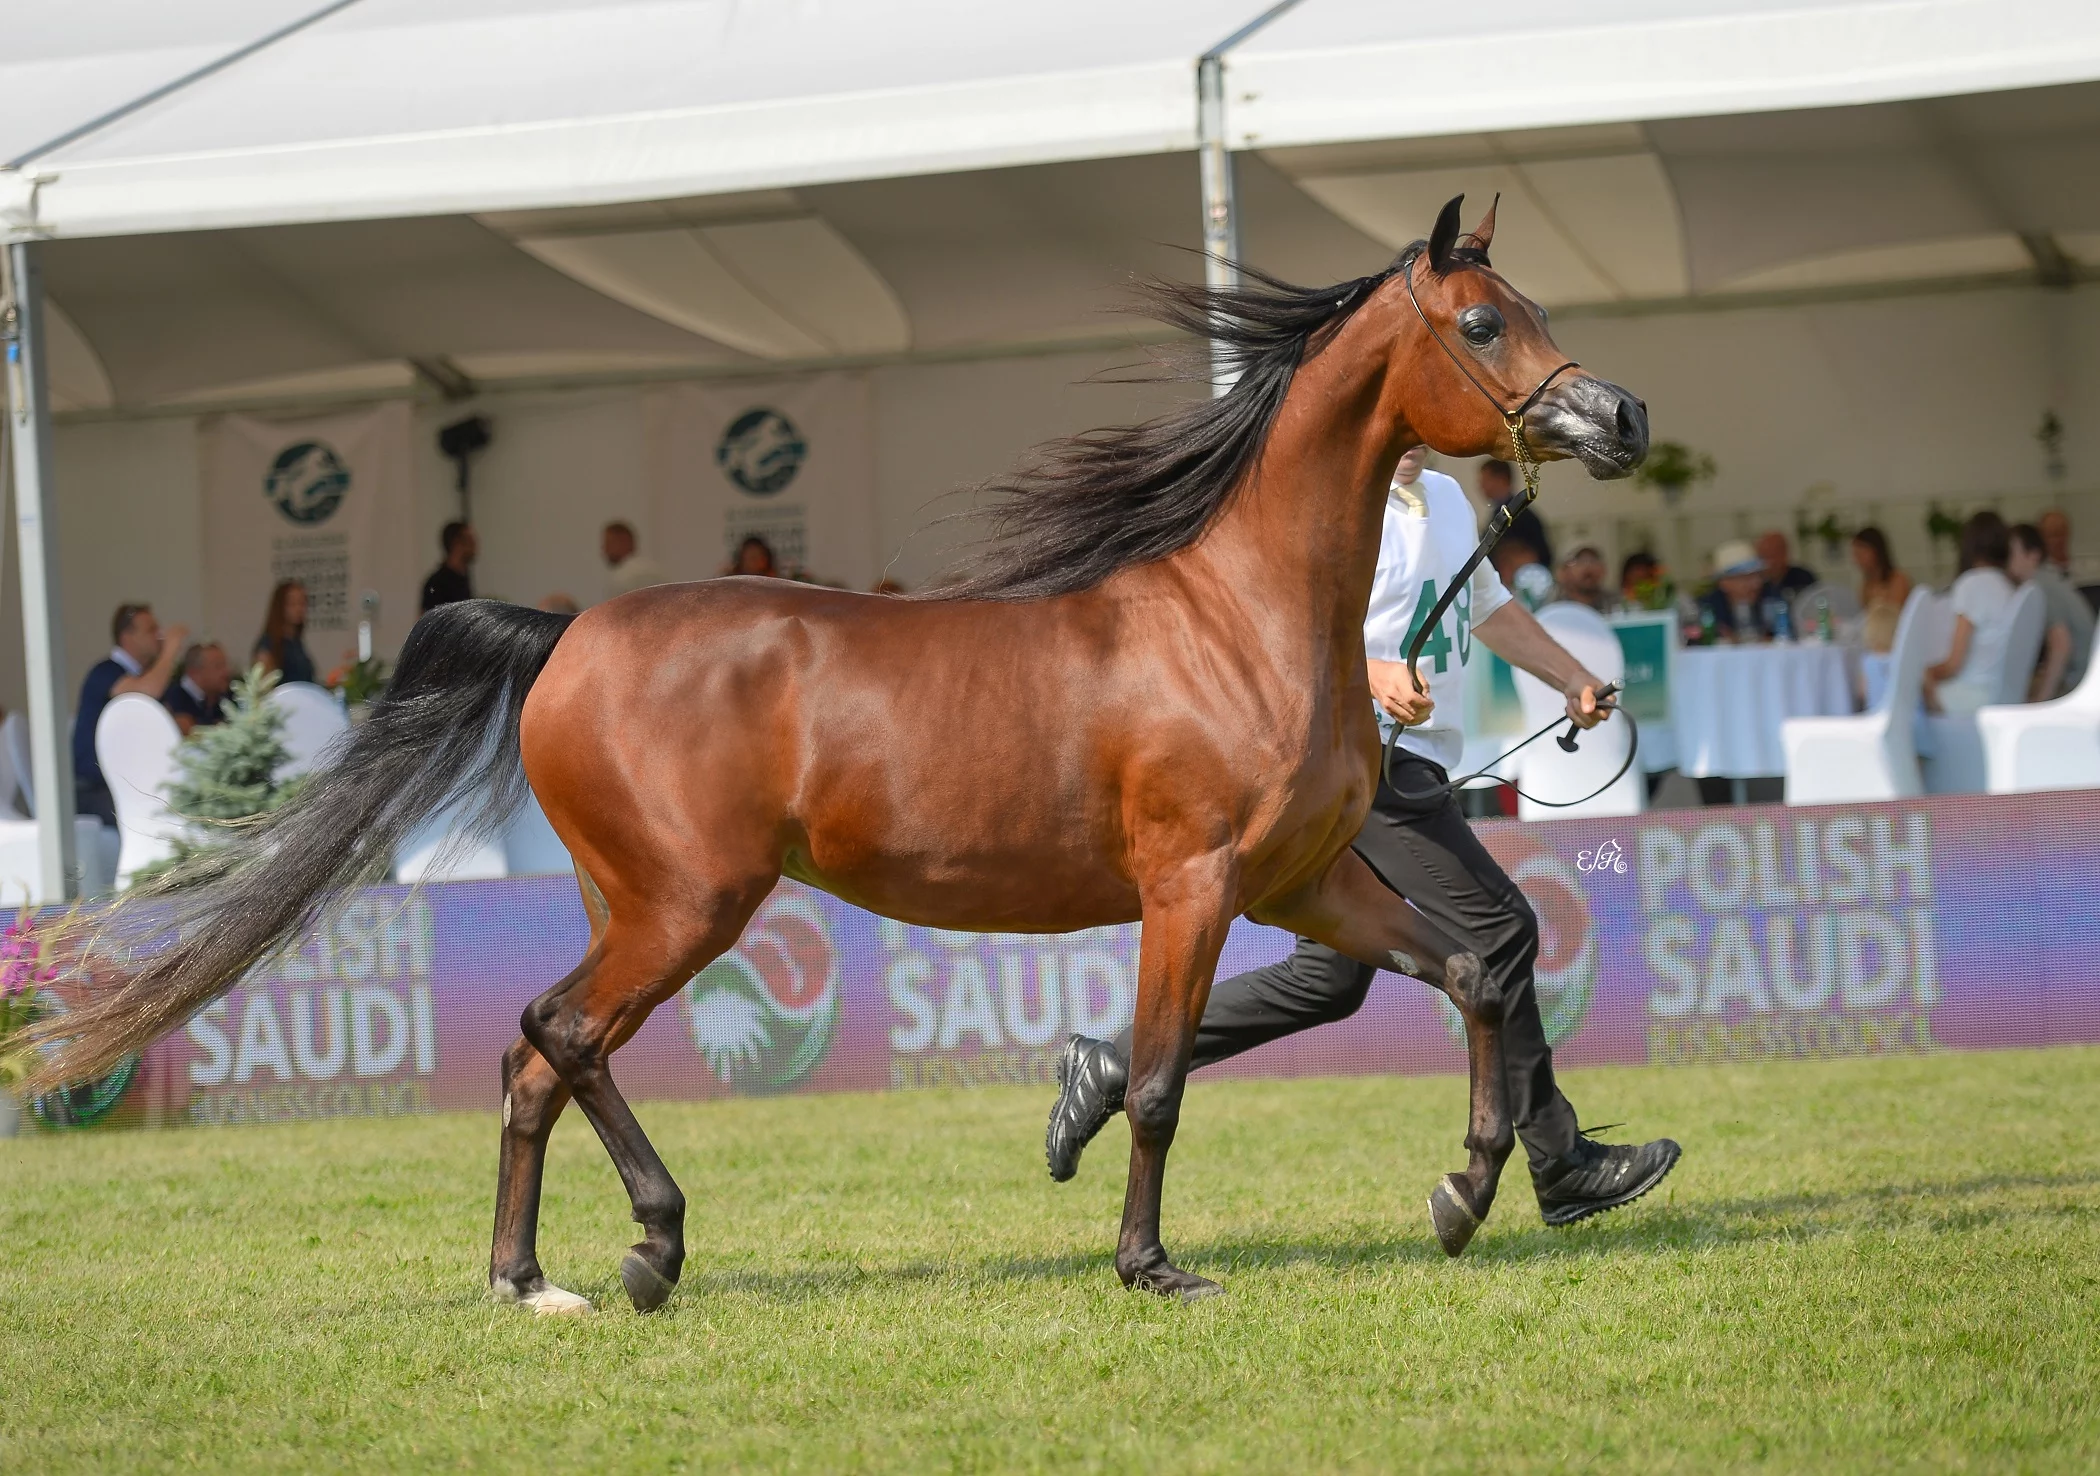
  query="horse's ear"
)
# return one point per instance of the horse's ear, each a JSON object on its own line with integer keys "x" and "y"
{"x": 1484, "y": 234}
{"x": 1445, "y": 236}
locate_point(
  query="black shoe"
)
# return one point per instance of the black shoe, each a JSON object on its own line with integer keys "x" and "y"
{"x": 1593, "y": 1177}
{"x": 1090, "y": 1082}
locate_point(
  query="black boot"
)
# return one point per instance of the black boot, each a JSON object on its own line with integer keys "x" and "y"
{"x": 1090, "y": 1082}
{"x": 1593, "y": 1177}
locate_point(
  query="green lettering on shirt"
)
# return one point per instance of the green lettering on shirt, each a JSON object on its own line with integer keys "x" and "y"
{"x": 1438, "y": 645}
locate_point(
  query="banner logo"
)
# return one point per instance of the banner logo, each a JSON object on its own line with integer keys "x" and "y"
{"x": 1565, "y": 976}
{"x": 763, "y": 1014}
{"x": 307, "y": 482}
{"x": 761, "y": 451}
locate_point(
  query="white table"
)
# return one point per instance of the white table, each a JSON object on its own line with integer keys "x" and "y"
{"x": 1727, "y": 703}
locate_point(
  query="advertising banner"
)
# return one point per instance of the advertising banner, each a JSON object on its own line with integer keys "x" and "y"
{"x": 789, "y": 461}
{"x": 328, "y": 501}
{"x": 1679, "y": 937}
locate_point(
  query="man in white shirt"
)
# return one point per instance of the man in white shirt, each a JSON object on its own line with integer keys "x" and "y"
{"x": 1422, "y": 848}
{"x": 626, "y": 568}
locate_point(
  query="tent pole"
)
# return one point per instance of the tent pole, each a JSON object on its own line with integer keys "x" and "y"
{"x": 1221, "y": 223}
{"x": 29, "y": 411}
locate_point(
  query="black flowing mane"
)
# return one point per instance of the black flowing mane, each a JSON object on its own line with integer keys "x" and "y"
{"x": 1105, "y": 500}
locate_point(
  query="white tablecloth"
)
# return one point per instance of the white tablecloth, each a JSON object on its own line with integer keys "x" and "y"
{"x": 1727, "y": 702}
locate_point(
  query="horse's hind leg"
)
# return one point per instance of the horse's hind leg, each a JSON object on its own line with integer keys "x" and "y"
{"x": 533, "y": 1096}
{"x": 1353, "y": 912}
{"x": 641, "y": 960}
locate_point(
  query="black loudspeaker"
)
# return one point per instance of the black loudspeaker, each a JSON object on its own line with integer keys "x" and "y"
{"x": 459, "y": 441}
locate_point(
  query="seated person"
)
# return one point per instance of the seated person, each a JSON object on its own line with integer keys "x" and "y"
{"x": 140, "y": 661}
{"x": 196, "y": 698}
{"x": 1967, "y": 677}
{"x": 1638, "y": 577}
{"x": 1883, "y": 589}
{"x": 1736, "y": 604}
{"x": 2069, "y": 644}
{"x": 1781, "y": 572}
{"x": 1524, "y": 572}
{"x": 1582, "y": 580}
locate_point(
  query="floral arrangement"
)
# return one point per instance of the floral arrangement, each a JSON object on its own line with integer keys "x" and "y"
{"x": 24, "y": 971}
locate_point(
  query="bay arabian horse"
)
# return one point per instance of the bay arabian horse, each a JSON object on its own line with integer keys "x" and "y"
{"x": 1149, "y": 702}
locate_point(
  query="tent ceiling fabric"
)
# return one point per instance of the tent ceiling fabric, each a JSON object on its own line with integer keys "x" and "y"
{"x": 441, "y": 107}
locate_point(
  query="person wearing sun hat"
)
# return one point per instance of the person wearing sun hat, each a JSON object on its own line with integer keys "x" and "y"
{"x": 1737, "y": 600}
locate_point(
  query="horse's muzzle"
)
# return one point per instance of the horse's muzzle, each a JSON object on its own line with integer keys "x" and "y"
{"x": 1593, "y": 421}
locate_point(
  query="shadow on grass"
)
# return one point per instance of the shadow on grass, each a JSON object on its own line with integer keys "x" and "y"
{"x": 1649, "y": 1228}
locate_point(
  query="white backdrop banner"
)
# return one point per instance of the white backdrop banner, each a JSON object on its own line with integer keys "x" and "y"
{"x": 327, "y": 501}
{"x": 789, "y": 461}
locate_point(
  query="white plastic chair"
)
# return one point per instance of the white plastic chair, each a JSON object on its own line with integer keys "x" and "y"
{"x": 1871, "y": 756}
{"x": 1954, "y": 762}
{"x": 2044, "y": 745}
{"x": 14, "y": 738}
{"x": 21, "y": 866}
{"x": 135, "y": 744}
{"x": 1548, "y": 771}
{"x": 313, "y": 720}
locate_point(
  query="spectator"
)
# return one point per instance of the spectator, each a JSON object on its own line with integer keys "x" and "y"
{"x": 627, "y": 570}
{"x": 282, "y": 645}
{"x": 2069, "y": 644}
{"x": 1637, "y": 575}
{"x": 1781, "y": 572}
{"x": 2055, "y": 527}
{"x": 448, "y": 582}
{"x": 1582, "y": 579}
{"x": 1498, "y": 485}
{"x": 1883, "y": 588}
{"x": 142, "y": 660}
{"x": 1968, "y": 676}
{"x": 196, "y": 699}
{"x": 1736, "y": 604}
{"x": 1524, "y": 573}
{"x": 754, "y": 556}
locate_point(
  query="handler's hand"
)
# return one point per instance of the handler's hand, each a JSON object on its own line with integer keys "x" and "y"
{"x": 1583, "y": 706}
{"x": 1408, "y": 703}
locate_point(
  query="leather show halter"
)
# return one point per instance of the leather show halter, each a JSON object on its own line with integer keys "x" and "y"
{"x": 1499, "y": 523}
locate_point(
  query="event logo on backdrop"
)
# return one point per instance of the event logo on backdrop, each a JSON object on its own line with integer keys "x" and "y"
{"x": 764, "y": 1013}
{"x": 790, "y": 462}
{"x": 327, "y": 502}
{"x": 1679, "y": 937}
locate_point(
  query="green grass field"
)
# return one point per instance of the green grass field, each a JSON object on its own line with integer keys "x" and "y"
{"x": 1856, "y": 1264}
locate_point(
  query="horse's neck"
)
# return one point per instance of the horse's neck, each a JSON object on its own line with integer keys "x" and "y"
{"x": 1300, "y": 542}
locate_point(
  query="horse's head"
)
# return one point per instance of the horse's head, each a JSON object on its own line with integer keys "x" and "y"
{"x": 1487, "y": 356}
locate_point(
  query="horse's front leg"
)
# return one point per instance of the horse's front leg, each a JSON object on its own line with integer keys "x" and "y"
{"x": 1353, "y": 912}
{"x": 1187, "y": 912}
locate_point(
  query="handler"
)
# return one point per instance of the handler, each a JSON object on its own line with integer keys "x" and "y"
{"x": 1423, "y": 850}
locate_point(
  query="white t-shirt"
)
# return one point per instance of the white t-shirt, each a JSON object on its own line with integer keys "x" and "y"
{"x": 1429, "y": 533}
{"x": 1984, "y": 595}
{"x": 634, "y": 572}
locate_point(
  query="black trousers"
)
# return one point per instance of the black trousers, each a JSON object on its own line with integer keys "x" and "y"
{"x": 1426, "y": 853}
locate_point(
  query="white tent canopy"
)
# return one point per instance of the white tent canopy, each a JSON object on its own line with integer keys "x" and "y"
{"x": 419, "y": 107}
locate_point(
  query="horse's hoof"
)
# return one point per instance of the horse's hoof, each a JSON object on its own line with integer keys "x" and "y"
{"x": 1172, "y": 1281}
{"x": 647, "y": 1287}
{"x": 1449, "y": 1213}
{"x": 541, "y": 1297}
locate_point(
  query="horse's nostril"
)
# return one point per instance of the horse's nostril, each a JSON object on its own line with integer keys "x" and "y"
{"x": 1633, "y": 423}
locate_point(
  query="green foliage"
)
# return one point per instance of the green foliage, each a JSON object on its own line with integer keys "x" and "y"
{"x": 1830, "y": 531}
{"x": 1942, "y": 525}
{"x": 1673, "y": 466}
{"x": 1860, "y": 1265}
{"x": 226, "y": 773}
{"x": 360, "y": 681}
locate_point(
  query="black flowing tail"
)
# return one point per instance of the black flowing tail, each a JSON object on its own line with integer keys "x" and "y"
{"x": 444, "y": 734}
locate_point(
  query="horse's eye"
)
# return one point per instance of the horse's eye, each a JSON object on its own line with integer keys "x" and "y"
{"x": 1480, "y": 325}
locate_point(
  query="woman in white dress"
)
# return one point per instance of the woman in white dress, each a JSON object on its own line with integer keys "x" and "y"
{"x": 1982, "y": 597}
